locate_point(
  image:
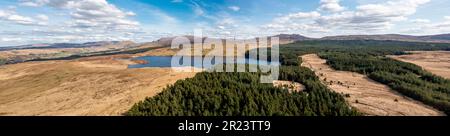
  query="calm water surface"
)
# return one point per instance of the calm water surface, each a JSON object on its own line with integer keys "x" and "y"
{"x": 166, "y": 61}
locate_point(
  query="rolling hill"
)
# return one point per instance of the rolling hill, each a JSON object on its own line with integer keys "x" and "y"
{"x": 441, "y": 38}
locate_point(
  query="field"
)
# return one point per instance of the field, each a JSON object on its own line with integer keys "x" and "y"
{"x": 88, "y": 86}
{"x": 436, "y": 62}
{"x": 12, "y": 56}
{"x": 366, "y": 95}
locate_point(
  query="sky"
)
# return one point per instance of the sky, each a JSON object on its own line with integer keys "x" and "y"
{"x": 54, "y": 21}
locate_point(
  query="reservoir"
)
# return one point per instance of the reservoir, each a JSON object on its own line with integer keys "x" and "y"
{"x": 208, "y": 62}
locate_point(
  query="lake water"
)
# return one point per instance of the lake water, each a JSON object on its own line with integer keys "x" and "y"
{"x": 166, "y": 61}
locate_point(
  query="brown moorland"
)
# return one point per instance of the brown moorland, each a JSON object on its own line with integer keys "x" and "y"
{"x": 87, "y": 86}
{"x": 366, "y": 95}
{"x": 437, "y": 62}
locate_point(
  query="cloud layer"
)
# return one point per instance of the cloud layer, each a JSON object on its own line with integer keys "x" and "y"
{"x": 365, "y": 18}
{"x": 46, "y": 21}
{"x": 88, "y": 20}
{"x": 11, "y": 16}
{"x": 90, "y": 13}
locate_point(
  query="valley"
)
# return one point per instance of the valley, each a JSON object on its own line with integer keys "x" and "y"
{"x": 366, "y": 95}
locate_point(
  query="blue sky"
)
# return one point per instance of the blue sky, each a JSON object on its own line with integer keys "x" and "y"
{"x": 49, "y": 21}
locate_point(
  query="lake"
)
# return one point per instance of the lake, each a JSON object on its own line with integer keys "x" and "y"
{"x": 166, "y": 61}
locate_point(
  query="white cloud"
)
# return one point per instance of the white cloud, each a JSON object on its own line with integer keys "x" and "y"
{"x": 431, "y": 28}
{"x": 89, "y": 20}
{"x": 447, "y": 17}
{"x": 130, "y": 13}
{"x": 5, "y": 39}
{"x": 42, "y": 17}
{"x": 234, "y": 8}
{"x": 198, "y": 10}
{"x": 12, "y": 7}
{"x": 31, "y": 3}
{"x": 226, "y": 25}
{"x": 164, "y": 17}
{"x": 391, "y": 9}
{"x": 420, "y": 21}
{"x": 90, "y": 13}
{"x": 295, "y": 17}
{"x": 330, "y": 6}
{"x": 20, "y": 19}
{"x": 12, "y": 17}
{"x": 365, "y": 18}
{"x": 303, "y": 15}
{"x": 293, "y": 22}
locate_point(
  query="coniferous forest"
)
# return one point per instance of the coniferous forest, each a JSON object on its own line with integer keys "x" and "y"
{"x": 241, "y": 94}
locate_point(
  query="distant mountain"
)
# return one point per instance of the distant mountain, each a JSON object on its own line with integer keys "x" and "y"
{"x": 167, "y": 41}
{"x": 66, "y": 45}
{"x": 443, "y": 38}
{"x": 284, "y": 39}
{"x": 290, "y": 38}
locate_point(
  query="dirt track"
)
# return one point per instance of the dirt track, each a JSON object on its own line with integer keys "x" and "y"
{"x": 366, "y": 95}
{"x": 89, "y": 86}
{"x": 437, "y": 62}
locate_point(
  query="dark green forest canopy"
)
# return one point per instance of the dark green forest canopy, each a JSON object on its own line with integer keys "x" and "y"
{"x": 289, "y": 53}
{"x": 359, "y": 47}
{"x": 241, "y": 94}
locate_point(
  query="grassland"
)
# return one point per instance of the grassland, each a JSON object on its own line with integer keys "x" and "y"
{"x": 88, "y": 86}
{"x": 436, "y": 62}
